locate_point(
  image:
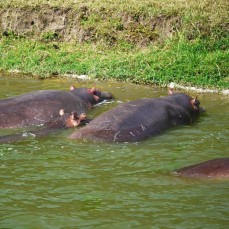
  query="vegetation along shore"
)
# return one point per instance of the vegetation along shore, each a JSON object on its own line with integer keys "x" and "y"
{"x": 147, "y": 42}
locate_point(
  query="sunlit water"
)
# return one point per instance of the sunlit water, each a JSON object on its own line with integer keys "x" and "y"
{"x": 55, "y": 182}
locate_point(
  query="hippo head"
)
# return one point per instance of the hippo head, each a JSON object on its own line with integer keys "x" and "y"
{"x": 99, "y": 95}
{"x": 196, "y": 105}
{"x": 72, "y": 119}
{"x": 91, "y": 95}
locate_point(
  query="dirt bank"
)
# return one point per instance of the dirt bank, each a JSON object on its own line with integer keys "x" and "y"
{"x": 82, "y": 24}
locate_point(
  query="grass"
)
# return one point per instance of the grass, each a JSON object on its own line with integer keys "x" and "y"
{"x": 201, "y": 62}
{"x": 123, "y": 45}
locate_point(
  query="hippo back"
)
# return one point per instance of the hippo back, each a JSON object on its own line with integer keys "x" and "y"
{"x": 213, "y": 168}
{"x": 38, "y": 107}
{"x": 137, "y": 120}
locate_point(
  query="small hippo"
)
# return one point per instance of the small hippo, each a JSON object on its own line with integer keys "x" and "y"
{"x": 215, "y": 168}
{"x": 64, "y": 121}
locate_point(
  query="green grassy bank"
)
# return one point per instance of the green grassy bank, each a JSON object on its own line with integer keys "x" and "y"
{"x": 201, "y": 62}
{"x": 194, "y": 53}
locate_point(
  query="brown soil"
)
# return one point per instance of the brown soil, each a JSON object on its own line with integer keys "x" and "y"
{"x": 66, "y": 24}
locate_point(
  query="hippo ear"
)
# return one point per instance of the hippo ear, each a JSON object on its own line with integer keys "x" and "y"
{"x": 71, "y": 121}
{"x": 72, "y": 87}
{"x": 74, "y": 115}
{"x": 195, "y": 103}
{"x": 92, "y": 90}
{"x": 171, "y": 89}
{"x": 61, "y": 112}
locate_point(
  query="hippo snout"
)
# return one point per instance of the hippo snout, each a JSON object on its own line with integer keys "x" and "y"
{"x": 106, "y": 96}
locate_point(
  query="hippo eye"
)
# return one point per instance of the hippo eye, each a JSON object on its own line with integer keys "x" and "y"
{"x": 98, "y": 93}
{"x": 94, "y": 92}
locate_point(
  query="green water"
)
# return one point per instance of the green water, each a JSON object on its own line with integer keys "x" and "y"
{"x": 54, "y": 182}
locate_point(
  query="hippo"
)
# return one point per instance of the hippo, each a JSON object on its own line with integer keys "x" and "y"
{"x": 39, "y": 107}
{"x": 215, "y": 168}
{"x": 64, "y": 121}
{"x": 137, "y": 120}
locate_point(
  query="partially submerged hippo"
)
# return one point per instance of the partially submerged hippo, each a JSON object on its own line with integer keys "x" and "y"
{"x": 39, "y": 107}
{"x": 64, "y": 121}
{"x": 136, "y": 120}
{"x": 215, "y": 168}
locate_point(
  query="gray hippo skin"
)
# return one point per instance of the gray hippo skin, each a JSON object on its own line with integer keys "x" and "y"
{"x": 136, "y": 120}
{"x": 39, "y": 107}
{"x": 215, "y": 168}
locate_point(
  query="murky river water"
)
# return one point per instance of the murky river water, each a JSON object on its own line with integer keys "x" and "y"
{"x": 54, "y": 182}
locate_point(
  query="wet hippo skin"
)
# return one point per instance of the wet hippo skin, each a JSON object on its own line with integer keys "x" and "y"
{"x": 213, "y": 168}
{"x": 137, "y": 120}
{"x": 64, "y": 121}
{"x": 39, "y": 107}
